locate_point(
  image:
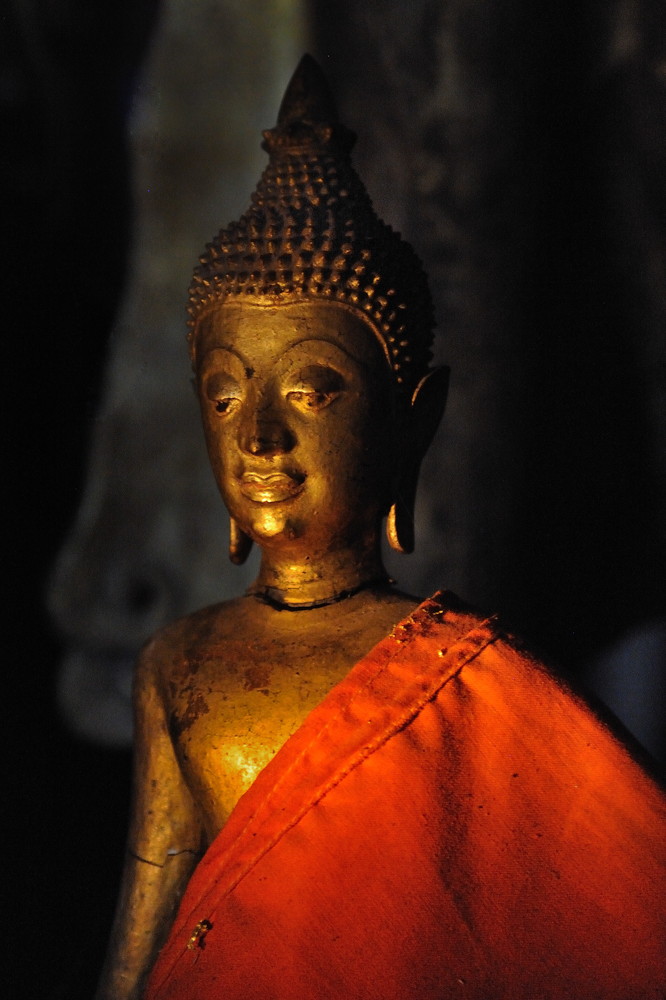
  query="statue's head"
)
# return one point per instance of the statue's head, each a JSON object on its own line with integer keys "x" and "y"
{"x": 310, "y": 332}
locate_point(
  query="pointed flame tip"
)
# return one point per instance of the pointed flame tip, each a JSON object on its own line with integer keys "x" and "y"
{"x": 308, "y": 96}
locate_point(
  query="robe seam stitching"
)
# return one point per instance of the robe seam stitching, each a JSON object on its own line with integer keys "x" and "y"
{"x": 367, "y": 750}
{"x": 420, "y": 611}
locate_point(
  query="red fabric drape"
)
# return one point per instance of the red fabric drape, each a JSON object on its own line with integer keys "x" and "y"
{"x": 450, "y": 822}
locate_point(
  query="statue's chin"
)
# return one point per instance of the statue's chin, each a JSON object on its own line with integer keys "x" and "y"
{"x": 272, "y": 520}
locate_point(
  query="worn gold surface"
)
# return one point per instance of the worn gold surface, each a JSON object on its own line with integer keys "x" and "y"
{"x": 296, "y": 406}
{"x": 313, "y": 435}
{"x": 302, "y": 433}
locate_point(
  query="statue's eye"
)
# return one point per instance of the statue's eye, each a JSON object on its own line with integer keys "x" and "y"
{"x": 224, "y": 392}
{"x": 314, "y": 388}
{"x": 311, "y": 400}
{"x": 225, "y": 405}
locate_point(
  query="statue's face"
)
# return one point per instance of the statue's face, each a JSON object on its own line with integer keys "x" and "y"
{"x": 297, "y": 407}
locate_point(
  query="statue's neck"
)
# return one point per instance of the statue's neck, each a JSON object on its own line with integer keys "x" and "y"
{"x": 317, "y": 580}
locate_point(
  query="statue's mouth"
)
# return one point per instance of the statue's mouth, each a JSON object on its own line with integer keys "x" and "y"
{"x": 270, "y": 487}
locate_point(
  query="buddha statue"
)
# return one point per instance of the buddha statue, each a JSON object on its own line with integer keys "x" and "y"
{"x": 342, "y": 790}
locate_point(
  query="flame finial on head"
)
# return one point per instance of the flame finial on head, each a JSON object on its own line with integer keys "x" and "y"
{"x": 311, "y": 233}
{"x": 308, "y": 117}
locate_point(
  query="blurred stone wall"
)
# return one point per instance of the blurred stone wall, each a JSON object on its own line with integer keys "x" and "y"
{"x": 521, "y": 152}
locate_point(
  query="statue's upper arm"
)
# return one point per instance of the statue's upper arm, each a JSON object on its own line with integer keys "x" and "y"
{"x": 165, "y": 819}
{"x": 164, "y": 840}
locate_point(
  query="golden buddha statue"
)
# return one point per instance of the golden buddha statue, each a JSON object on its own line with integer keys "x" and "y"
{"x": 392, "y": 799}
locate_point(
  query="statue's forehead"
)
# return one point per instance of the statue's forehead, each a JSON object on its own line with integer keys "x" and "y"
{"x": 270, "y": 327}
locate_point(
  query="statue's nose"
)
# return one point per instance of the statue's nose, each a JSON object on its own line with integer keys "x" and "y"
{"x": 266, "y": 433}
{"x": 269, "y": 439}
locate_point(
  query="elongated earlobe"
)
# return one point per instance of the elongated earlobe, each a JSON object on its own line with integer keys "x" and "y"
{"x": 392, "y": 531}
{"x": 239, "y": 543}
{"x": 427, "y": 406}
{"x": 400, "y": 528}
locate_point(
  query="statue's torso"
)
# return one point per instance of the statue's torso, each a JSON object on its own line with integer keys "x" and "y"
{"x": 247, "y": 677}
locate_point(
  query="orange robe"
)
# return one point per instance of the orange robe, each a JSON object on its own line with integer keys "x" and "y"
{"x": 450, "y": 822}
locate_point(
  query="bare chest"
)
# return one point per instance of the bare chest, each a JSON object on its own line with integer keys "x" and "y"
{"x": 231, "y": 710}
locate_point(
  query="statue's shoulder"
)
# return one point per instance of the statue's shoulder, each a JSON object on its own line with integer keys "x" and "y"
{"x": 188, "y": 638}
{"x": 502, "y": 665}
{"x": 456, "y": 620}
{"x": 483, "y": 629}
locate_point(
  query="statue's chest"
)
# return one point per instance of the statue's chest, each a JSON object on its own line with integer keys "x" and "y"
{"x": 229, "y": 712}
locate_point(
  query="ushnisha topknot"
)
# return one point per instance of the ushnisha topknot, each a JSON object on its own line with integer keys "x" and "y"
{"x": 311, "y": 232}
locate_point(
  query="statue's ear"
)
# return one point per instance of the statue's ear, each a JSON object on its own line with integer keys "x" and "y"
{"x": 239, "y": 543}
{"x": 426, "y": 410}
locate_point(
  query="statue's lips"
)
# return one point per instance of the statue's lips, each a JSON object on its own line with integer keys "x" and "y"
{"x": 270, "y": 487}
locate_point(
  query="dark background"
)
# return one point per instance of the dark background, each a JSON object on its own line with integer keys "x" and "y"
{"x": 66, "y": 81}
{"x": 573, "y": 160}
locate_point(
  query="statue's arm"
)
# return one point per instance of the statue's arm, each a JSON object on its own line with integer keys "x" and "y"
{"x": 163, "y": 845}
